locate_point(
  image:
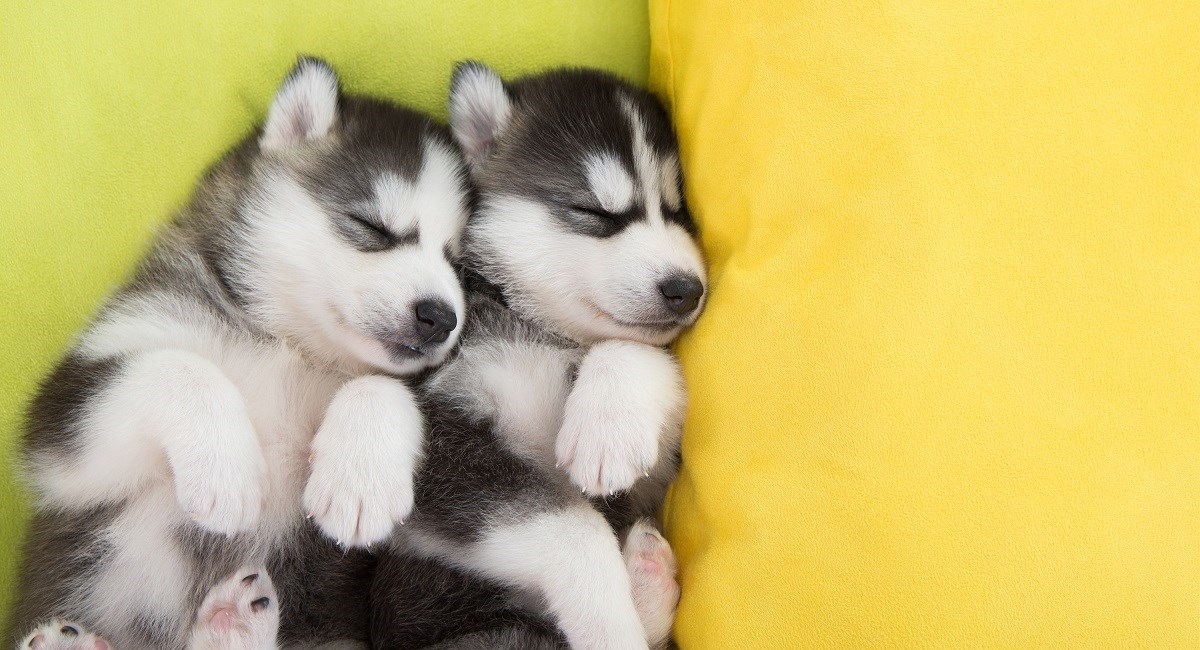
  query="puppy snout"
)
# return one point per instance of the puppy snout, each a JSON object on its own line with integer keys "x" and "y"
{"x": 682, "y": 293}
{"x": 435, "y": 321}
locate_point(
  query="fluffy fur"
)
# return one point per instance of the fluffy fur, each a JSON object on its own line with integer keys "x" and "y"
{"x": 557, "y": 422}
{"x": 263, "y": 332}
{"x": 553, "y": 432}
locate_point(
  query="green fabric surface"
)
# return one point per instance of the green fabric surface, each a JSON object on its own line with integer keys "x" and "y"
{"x": 110, "y": 111}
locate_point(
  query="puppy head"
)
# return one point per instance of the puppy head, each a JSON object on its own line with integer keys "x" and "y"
{"x": 581, "y": 218}
{"x": 350, "y": 227}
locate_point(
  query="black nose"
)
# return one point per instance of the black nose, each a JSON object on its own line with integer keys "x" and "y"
{"x": 682, "y": 293}
{"x": 435, "y": 321}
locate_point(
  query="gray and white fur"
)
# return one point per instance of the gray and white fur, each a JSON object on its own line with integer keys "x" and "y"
{"x": 581, "y": 261}
{"x": 557, "y": 423}
{"x": 247, "y": 375}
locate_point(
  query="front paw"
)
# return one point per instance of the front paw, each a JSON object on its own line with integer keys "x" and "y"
{"x": 358, "y": 502}
{"x": 220, "y": 487}
{"x": 626, "y": 397}
{"x": 364, "y": 457}
{"x": 57, "y": 634}
{"x": 604, "y": 448}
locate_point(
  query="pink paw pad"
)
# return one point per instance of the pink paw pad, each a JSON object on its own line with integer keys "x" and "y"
{"x": 651, "y": 566}
{"x": 241, "y": 612}
{"x": 63, "y": 635}
{"x": 647, "y": 554}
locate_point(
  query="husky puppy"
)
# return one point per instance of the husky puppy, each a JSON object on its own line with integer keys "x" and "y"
{"x": 558, "y": 420}
{"x": 246, "y": 375}
{"x": 581, "y": 262}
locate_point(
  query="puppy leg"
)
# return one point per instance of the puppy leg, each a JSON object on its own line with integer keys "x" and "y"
{"x": 164, "y": 401}
{"x": 363, "y": 460}
{"x": 57, "y": 634}
{"x": 241, "y": 613}
{"x": 571, "y": 557}
{"x": 651, "y": 566}
{"x": 621, "y": 414}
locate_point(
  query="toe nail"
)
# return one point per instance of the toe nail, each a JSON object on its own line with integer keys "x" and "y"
{"x": 260, "y": 604}
{"x": 250, "y": 578}
{"x": 69, "y": 630}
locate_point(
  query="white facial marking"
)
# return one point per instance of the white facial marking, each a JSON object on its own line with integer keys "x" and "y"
{"x": 394, "y": 201}
{"x": 441, "y": 199}
{"x": 668, "y": 173}
{"x": 310, "y": 286}
{"x": 584, "y": 287}
{"x": 609, "y": 181}
{"x": 645, "y": 164}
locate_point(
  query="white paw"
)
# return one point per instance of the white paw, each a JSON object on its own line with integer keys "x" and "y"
{"x": 241, "y": 613}
{"x": 364, "y": 457}
{"x": 604, "y": 452}
{"x": 57, "y": 634}
{"x": 625, "y": 398}
{"x": 651, "y": 566}
{"x": 219, "y": 481}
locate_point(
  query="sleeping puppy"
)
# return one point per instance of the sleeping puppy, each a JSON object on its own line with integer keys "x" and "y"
{"x": 581, "y": 262}
{"x": 553, "y": 432}
{"x": 247, "y": 374}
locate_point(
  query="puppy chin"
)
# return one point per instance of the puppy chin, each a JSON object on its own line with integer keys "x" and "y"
{"x": 359, "y": 348}
{"x": 603, "y": 328}
{"x": 405, "y": 366}
{"x": 651, "y": 337}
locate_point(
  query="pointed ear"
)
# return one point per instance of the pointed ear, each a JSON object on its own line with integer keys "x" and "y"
{"x": 305, "y": 106}
{"x": 479, "y": 109}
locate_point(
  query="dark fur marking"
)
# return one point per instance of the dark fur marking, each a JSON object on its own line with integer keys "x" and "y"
{"x": 324, "y": 590}
{"x": 53, "y": 418}
{"x": 419, "y": 603}
{"x": 468, "y": 475}
{"x": 59, "y": 549}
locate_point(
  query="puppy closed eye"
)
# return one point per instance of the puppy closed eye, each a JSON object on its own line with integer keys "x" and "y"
{"x": 607, "y": 222}
{"x": 364, "y": 225}
{"x": 371, "y": 236}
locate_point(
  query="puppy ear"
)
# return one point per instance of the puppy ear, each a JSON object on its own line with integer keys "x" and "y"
{"x": 305, "y": 106}
{"x": 479, "y": 109}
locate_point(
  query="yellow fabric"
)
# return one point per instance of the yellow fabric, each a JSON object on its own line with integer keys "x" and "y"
{"x": 110, "y": 110}
{"x": 947, "y": 389}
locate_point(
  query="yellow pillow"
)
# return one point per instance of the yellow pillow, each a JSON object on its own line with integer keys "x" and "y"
{"x": 947, "y": 389}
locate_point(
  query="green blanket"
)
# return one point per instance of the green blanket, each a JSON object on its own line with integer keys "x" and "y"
{"x": 110, "y": 111}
